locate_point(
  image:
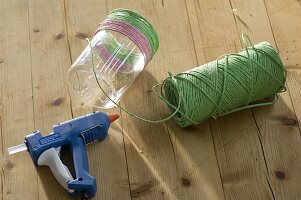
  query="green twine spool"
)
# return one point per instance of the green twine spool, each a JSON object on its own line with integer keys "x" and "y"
{"x": 226, "y": 85}
{"x": 231, "y": 83}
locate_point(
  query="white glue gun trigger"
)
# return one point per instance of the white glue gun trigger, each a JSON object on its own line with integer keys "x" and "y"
{"x": 51, "y": 158}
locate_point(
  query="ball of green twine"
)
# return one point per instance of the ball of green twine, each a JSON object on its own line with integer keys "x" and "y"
{"x": 226, "y": 85}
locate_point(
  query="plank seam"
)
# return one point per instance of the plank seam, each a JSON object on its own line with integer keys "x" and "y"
{"x": 69, "y": 50}
{"x": 218, "y": 164}
{"x": 32, "y": 87}
{"x": 30, "y": 60}
{"x": 269, "y": 184}
{"x": 198, "y": 22}
{"x": 265, "y": 6}
{"x": 288, "y": 90}
{"x": 190, "y": 29}
{"x": 125, "y": 155}
{"x": 299, "y": 125}
{"x": 259, "y": 135}
{"x": 173, "y": 150}
{"x": 195, "y": 52}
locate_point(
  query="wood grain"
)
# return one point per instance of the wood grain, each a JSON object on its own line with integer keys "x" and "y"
{"x": 50, "y": 61}
{"x": 106, "y": 159}
{"x": 238, "y": 148}
{"x": 172, "y": 163}
{"x": 16, "y": 106}
{"x": 150, "y": 159}
{"x": 284, "y": 151}
{"x": 252, "y": 154}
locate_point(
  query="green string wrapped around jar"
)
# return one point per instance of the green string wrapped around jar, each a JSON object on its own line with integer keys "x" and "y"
{"x": 134, "y": 26}
{"x": 117, "y": 55}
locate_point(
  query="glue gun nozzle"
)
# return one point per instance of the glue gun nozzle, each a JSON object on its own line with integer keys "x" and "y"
{"x": 113, "y": 117}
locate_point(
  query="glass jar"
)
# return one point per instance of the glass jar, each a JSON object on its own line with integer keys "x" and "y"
{"x": 120, "y": 49}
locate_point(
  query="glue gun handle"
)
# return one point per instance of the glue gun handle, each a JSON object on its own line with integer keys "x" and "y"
{"x": 51, "y": 159}
{"x": 84, "y": 182}
{"x": 80, "y": 159}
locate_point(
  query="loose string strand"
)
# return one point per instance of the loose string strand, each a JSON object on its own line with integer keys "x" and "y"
{"x": 200, "y": 93}
{"x": 123, "y": 109}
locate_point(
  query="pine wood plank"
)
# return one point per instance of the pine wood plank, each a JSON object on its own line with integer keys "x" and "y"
{"x": 16, "y": 100}
{"x": 18, "y": 174}
{"x": 193, "y": 147}
{"x": 240, "y": 157}
{"x": 50, "y": 61}
{"x": 151, "y": 165}
{"x": 258, "y": 157}
{"x": 164, "y": 161}
{"x": 107, "y": 159}
{"x": 284, "y": 18}
{"x": 285, "y": 21}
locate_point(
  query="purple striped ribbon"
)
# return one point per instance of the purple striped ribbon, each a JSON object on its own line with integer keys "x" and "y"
{"x": 130, "y": 31}
{"x": 109, "y": 59}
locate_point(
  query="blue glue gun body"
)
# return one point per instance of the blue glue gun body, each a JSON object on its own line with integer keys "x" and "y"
{"x": 75, "y": 133}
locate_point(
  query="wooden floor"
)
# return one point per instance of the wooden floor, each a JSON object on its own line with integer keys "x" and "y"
{"x": 252, "y": 154}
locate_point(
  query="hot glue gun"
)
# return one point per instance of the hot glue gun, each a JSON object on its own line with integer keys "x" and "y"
{"x": 75, "y": 134}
